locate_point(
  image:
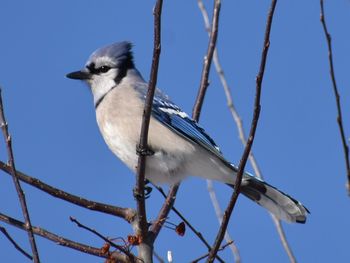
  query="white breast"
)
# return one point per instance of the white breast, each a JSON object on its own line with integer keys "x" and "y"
{"x": 119, "y": 119}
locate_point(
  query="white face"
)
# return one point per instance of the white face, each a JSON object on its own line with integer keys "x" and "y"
{"x": 102, "y": 82}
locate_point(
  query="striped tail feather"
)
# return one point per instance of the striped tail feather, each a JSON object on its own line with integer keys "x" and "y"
{"x": 278, "y": 203}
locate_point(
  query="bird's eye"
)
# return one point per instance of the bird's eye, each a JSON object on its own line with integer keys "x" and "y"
{"x": 103, "y": 69}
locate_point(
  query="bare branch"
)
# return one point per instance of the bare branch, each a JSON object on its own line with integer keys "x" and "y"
{"x": 218, "y": 213}
{"x": 283, "y": 239}
{"x": 13, "y": 242}
{"x": 53, "y": 237}
{"x": 172, "y": 192}
{"x": 197, "y": 233}
{"x": 168, "y": 204}
{"x": 337, "y": 96}
{"x": 206, "y": 255}
{"x": 142, "y": 148}
{"x": 159, "y": 258}
{"x": 211, "y": 191}
{"x": 20, "y": 193}
{"x": 207, "y": 62}
{"x": 126, "y": 213}
{"x": 196, "y": 114}
{"x": 250, "y": 141}
{"x": 242, "y": 137}
{"x": 252, "y": 159}
{"x": 124, "y": 250}
{"x": 170, "y": 199}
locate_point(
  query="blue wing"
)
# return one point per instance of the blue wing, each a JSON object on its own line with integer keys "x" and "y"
{"x": 169, "y": 114}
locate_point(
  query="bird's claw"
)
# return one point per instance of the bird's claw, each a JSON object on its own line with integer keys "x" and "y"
{"x": 144, "y": 151}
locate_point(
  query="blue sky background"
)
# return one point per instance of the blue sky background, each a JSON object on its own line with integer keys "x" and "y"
{"x": 56, "y": 139}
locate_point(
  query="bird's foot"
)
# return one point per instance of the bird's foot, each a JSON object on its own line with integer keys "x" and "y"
{"x": 146, "y": 194}
{"x": 144, "y": 151}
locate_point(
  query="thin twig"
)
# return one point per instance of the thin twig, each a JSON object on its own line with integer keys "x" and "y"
{"x": 250, "y": 140}
{"x": 283, "y": 239}
{"x": 198, "y": 105}
{"x": 197, "y": 233}
{"x": 170, "y": 199}
{"x": 242, "y": 137}
{"x": 53, "y": 237}
{"x": 212, "y": 193}
{"x": 252, "y": 159}
{"x": 337, "y": 96}
{"x": 142, "y": 148}
{"x": 159, "y": 258}
{"x": 126, "y": 213}
{"x": 20, "y": 193}
{"x": 164, "y": 211}
{"x": 201, "y": 94}
{"x": 206, "y": 255}
{"x": 122, "y": 249}
{"x": 207, "y": 62}
{"x": 14, "y": 243}
{"x": 218, "y": 213}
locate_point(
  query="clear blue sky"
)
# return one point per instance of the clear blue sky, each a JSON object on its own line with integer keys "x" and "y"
{"x": 55, "y": 136}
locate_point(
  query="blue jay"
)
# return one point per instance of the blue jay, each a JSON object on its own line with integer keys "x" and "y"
{"x": 179, "y": 145}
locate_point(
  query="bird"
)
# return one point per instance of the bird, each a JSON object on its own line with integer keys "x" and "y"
{"x": 179, "y": 146}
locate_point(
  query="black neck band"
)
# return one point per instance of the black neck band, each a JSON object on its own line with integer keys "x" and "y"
{"x": 98, "y": 102}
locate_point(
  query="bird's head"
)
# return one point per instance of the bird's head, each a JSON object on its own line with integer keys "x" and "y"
{"x": 105, "y": 68}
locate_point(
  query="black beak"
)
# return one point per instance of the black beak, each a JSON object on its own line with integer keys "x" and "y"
{"x": 82, "y": 75}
